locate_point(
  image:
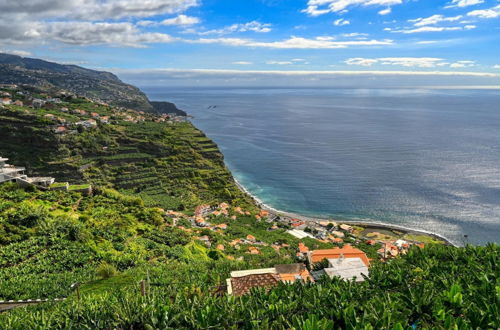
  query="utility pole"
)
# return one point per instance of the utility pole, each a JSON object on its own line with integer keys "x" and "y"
{"x": 143, "y": 287}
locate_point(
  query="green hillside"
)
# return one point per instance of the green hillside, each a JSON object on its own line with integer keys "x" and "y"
{"x": 171, "y": 165}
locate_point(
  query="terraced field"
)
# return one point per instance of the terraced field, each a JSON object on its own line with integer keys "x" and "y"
{"x": 173, "y": 166}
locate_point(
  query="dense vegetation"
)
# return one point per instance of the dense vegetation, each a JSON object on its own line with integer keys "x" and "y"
{"x": 53, "y": 239}
{"x": 50, "y": 239}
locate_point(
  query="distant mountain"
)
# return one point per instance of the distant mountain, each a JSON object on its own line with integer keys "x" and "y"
{"x": 167, "y": 107}
{"x": 95, "y": 85}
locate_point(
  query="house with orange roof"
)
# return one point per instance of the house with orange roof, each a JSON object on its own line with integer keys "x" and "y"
{"x": 201, "y": 210}
{"x": 251, "y": 238}
{"x": 241, "y": 282}
{"x": 388, "y": 250}
{"x": 60, "y": 130}
{"x": 303, "y": 248}
{"x": 253, "y": 250}
{"x": 222, "y": 226}
{"x": 220, "y": 247}
{"x": 263, "y": 213}
{"x": 346, "y": 228}
{"x": 346, "y": 252}
{"x": 235, "y": 242}
{"x": 104, "y": 119}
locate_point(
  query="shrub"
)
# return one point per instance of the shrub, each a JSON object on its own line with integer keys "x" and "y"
{"x": 105, "y": 270}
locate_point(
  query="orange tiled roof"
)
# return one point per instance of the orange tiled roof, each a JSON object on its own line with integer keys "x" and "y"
{"x": 303, "y": 248}
{"x": 253, "y": 250}
{"x": 291, "y": 277}
{"x": 347, "y": 251}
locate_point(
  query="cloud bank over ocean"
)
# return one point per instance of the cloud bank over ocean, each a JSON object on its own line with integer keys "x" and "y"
{"x": 323, "y": 79}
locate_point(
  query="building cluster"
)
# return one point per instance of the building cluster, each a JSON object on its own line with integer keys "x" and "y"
{"x": 325, "y": 230}
{"x": 393, "y": 249}
{"x": 347, "y": 263}
{"x": 18, "y": 96}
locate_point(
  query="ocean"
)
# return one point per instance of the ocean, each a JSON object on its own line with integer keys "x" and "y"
{"x": 425, "y": 159}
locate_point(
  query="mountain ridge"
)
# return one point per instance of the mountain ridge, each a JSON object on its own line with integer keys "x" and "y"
{"x": 96, "y": 85}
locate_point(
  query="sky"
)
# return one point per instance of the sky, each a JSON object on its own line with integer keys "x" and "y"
{"x": 263, "y": 42}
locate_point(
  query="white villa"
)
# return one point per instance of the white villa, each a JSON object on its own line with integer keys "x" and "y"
{"x": 10, "y": 173}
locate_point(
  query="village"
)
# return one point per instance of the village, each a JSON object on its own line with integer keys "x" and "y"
{"x": 63, "y": 115}
{"x": 343, "y": 259}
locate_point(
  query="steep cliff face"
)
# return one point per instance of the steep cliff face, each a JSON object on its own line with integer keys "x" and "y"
{"x": 167, "y": 107}
{"x": 95, "y": 85}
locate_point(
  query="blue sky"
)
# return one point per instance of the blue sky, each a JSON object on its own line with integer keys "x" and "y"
{"x": 228, "y": 36}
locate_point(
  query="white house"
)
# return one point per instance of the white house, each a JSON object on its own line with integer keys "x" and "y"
{"x": 9, "y": 172}
{"x": 347, "y": 268}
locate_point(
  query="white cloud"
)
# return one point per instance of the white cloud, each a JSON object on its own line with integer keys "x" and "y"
{"x": 243, "y": 63}
{"x": 293, "y": 43}
{"x": 341, "y": 22}
{"x": 496, "y": 66}
{"x": 418, "y": 62}
{"x": 92, "y": 9}
{"x": 272, "y": 78}
{"x": 432, "y": 29}
{"x": 320, "y": 7}
{"x": 179, "y": 20}
{"x": 486, "y": 13}
{"x": 427, "y": 42}
{"x": 433, "y": 20}
{"x": 23, "y": 21}
{"x": 464, "y": 3}
{"x": 385, "y": 11}
{"x": 86, "y": 33}
{"x": 22, "y": 53}
{"x": 325, "y": 38}
{"x": 360, "y": 61}
{"x": 354, "y": 35}
{"x": 463, "y": 64}
{"x": 279, "y": 62}
{"x": 254, "y": 26}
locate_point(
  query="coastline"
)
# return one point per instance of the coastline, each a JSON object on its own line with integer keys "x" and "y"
{"x": 364, "y": 224}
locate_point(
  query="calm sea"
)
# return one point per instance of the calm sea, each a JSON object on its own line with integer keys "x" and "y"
{"x": 423, "y": 159}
